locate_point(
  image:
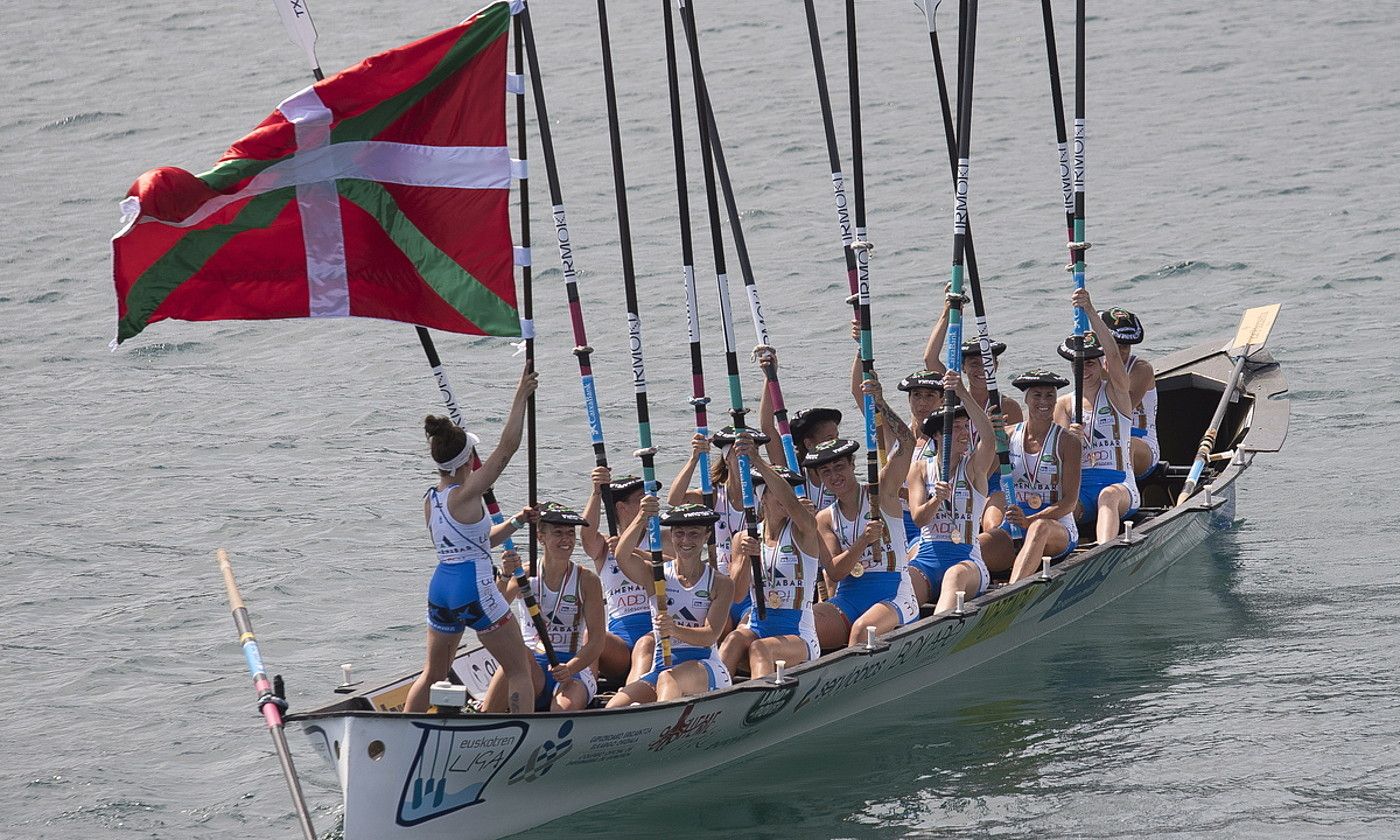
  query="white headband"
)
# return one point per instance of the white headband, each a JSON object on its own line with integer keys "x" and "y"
{"x": 455, "y": 462}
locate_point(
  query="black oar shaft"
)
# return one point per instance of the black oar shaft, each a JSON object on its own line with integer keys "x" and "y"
{"x": 860, "y": 252}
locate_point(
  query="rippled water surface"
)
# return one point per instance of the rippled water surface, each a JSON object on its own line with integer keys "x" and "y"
{"x": 1240, "y": 153}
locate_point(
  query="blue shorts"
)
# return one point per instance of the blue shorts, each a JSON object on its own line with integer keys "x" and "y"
{"x": 911, "y": 531}
{"x": 689, "y": 654}
{"x": 630, "y": 628}
{"x": 1092, "y": 482}
{"x": 544, "y": 699}
{"x": 737, "y": 611}
{"x": 778, "y": 622}
{"x": 935, "y": 558}
{"x": 463, "y": 595}
{"x": 1021, "y": 538}
{"x": 855, "y": 595}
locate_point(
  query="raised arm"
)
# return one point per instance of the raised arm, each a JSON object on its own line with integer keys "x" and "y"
{"x": 900, "y": 454}
{"x": 680, "y": 491}
{"x": 937, "y": 342}
{"x": 766, "y": 424}
{"x": 985, "y": 455}
{"x": 505, "y": 530}
{"x": 778, "y": 492}
{"x": 595, "y": 545}
{"x": 495, "y": 464}
{"x": 857, "y": 369}
{"x": 637, "y": 570}
{"x": 1119, "y": 390}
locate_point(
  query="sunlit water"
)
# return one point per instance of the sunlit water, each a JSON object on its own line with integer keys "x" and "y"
{"x": 1240, "y": 154}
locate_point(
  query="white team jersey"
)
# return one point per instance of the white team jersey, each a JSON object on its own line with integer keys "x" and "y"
{"x": 1145, "y": 414}
{"x": 689, "y": 607}
{"x": 960, "y": 521}
{"x": 457, "y": 542}
{"x": 1037, "y": 477}
{"x": 789, "y": 573}
{"x": 562, "y": 611}
{"x": 891, "y": 556}
{"x": 623, "y": 596}
{"x": 1109, "y": 443}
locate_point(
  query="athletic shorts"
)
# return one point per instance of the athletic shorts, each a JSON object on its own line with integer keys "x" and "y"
{"x": 911, "y": 531}
{"x": 1153, "y": 446}
{"x": 546, "y": 695}
{"x": 630, "y": 628}
{"x": 1019, "y": 539}
{"x": 1093, "y": 481}
{"x": 788, "y": 623}
{"x": 463, "y": 595}
{"x": 719, "y": 675}
{"x": 739, "y": 610}
{"x": 935, "y": 558}
{"x": 856, "y": 595}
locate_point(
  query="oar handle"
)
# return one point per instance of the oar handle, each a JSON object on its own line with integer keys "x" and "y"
{"x": 235, "y": 598}
{"x": 1208, "y": 439}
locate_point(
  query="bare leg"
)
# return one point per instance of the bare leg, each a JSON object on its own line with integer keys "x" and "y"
{"x": 995, "y": 510}
{"x": 634, "y": 692}
{"x": 442, "y": 649}
{"x": 1142, "y": 456}
{"x": 881, "y": 616}
{"x": 643, "y": 657}
{"x": 685, "y": 680}
{"x": 616, "y": 659}
{"x": 1043, "y": 538}
{"x": 506, "y": 644}
{"x": 965, "y": 578}
{"x": 923, "y": 592}
{"x": 998, "y": 550}
{"x": 1113, "y": 503}
{"x": 832, "y": 628}
{"x": 736, "y": 648}
{"x": 765, "y": 653}
{"x": 569, "y": 696}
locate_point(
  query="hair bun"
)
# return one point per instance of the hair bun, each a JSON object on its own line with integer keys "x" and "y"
{"x": 434, "y": 426}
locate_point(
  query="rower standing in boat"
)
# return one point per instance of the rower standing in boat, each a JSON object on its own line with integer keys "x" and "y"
{"x": 729, "y": 508}
{"x": 697, "y": 606}
{"x": 1142, "y": 385}
{"x": 789, "y": 549}
{"x": 571, "y": 601}
{"x": 869, "y": 556}
{"x": 1045, "y": 461}
{"x": 629, "y": 611}
{"x": 950, "y": 512}
{"x": 1108, "y": 492}
{"x": 463, "y": 592}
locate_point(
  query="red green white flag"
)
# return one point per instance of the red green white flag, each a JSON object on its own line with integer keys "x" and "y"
{"x": 381, "y": 192}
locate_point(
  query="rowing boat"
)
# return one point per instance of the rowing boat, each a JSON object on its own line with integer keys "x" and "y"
{"x": 453, "y": 775}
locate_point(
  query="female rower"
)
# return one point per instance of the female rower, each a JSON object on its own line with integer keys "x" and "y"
{"x": 570, "y": 599}
{"x": 950, "y": 511}
{"x": 629, "y": 616}
{"x": 972, "y": 366}
{"x": 1142, "y": 386}
{"x": 809, "y": 427}
{"x": 728, "y": 507}
{"x": 869, "y": 555}
{"x": 1108, "y": 492}
{"x": 925, "y": 390}
{"x": 1045, "y": 460}
{"x": 463, "y": 591}
{"x": 695, "y": 612}
{"x": 789, "y": 549}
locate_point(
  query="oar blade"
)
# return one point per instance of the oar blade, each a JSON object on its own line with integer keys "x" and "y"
{"x": 301, "y": 31}
{"x": 1255, "y": 326}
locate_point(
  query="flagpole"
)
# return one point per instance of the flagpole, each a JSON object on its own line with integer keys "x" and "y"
{"x": 737, "y": 411}
{"x": 566, "y": 258}
{"x": 646, "y": 452}
{"x": 699, "y": 401}
{"x": 296, "y": 17}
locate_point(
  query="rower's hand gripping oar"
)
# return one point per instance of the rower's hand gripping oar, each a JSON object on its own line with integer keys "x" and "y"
{"x": 270, "y": 705}
{"x": 1254, "y": 330}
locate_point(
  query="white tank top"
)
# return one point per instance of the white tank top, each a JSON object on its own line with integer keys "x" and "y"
{"x": 789, "y": 573}
{"x": 1109, "y": 446}
{"x": 731, "y": 522}
{"x": 1145, "y": 415}
{"x": 562, "y": 612}
{"x": 819, "y": 495}
{"x": 961, "y": 521}
{"x": 689, "y": 607}
{"x": 623, "y": 596}
{"x": 457, "y": 542}
{"x": 1037, "y": 476}
{"x": 891, "y": 555}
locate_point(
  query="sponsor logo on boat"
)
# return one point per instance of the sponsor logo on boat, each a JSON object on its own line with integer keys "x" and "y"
{"x": 995, "y": 618}
{"x": 833, "y": 686}
{"x": 609, "y": 747}
{"x": 769, "y": 703}
{"x": 453, "y": 766}
{"x": 545, "y": 755}
{"x": 684, "y": 728}
{"x": 925, "y": 645}
{"x": 1084, "y": 584}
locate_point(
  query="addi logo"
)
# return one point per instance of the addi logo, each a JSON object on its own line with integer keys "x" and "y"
{"x": 769, "y": 703}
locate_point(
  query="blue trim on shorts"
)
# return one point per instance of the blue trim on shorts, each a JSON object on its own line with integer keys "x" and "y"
{"x": 677, "y": 657}
{"x": 1091, "y": 483}
{"x": 936, "y": 557}
{"x": 546, "y": 695}
{"x": 1138, "y": 433}
{"x": 776, "y": 623}
{"x": 632, "y": 627}
{"x": 737, "y": 611}
{"x": 912, "y": 532}
{"x": 454, "y": 600}
{"x": 856, "y": 595}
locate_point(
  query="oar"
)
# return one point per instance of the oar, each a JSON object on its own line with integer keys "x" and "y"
{"x": 301, "y": 30}
{"x": 1079, "y": 244}
{"x": 979, "y": 310}
{"x": 522, "y": 580}
{"x": 1254, "y": 330}
{"x": 698, "y": 399}
{"x": 968, "y": 23}
{"x": 567, "y": 263}
{"x": 269, "y": 704}
{"x": 737, "y": 411}
{"x": 646, "y": 451}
